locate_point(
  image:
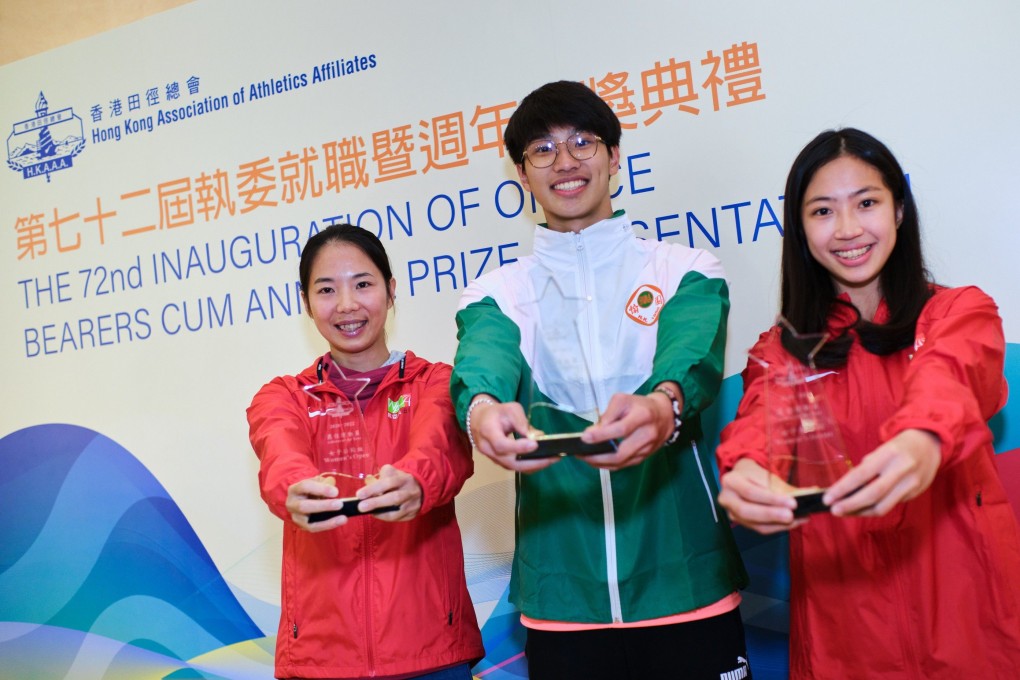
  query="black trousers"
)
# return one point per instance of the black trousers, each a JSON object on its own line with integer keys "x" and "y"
{"x": 707, "y": 649}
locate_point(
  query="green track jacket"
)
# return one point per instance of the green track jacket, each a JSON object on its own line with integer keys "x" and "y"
{"x": 595, "y": 546}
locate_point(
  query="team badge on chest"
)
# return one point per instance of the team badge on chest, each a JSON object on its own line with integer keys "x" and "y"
{"x": 645, "y": 304}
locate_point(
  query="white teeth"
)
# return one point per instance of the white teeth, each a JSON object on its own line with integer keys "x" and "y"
{"x": 852, "y": 254}
{"x": 350, "y": 327}
{"x": 570, "y": 186}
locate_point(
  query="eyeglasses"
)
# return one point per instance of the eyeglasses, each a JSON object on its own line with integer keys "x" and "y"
{"x": 580, "y": 145}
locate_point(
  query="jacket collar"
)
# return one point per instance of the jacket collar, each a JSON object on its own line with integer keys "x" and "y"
{"x": 601, "y": 241}
{"x": 842, "y": 317}
{"x": 309, "y": 379}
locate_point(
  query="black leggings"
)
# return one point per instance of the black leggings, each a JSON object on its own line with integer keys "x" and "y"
{"x": 709, "y": 649}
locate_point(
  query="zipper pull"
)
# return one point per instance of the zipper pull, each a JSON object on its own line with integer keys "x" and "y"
{"x": 449, "y": 618}
{"x": 295, "y": 631}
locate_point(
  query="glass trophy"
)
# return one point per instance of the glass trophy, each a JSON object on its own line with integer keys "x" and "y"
{"x": 563, "y": 400}
{"x": 805, "y": 449}
{"x": 343, "y": 452}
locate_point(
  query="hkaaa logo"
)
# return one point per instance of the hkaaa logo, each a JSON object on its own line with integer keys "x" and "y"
{"x": 46, "y": 143}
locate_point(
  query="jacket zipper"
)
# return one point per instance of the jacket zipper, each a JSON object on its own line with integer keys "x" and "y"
{"x": 612, "y": 576}
{"x": 366, "y": 555}
{"x": 366, "y": 559}
{"x": 448, "y": 599}
{"x": 704, "y": 481}
{"x": 605, "y": 477}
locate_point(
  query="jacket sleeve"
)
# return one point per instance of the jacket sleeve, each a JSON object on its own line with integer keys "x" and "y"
{"x": 438, "y": 453}
{"x": 746, "y": 436}
{"x": 280, "y": 434}
{"x": 955, "y": 380}
{"x": 691, "y": 340}
{"x": 488, "y": 355}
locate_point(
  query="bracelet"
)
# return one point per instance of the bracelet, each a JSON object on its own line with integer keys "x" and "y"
{"x": 676, "y": 414}
{"x": 467, "y": 417}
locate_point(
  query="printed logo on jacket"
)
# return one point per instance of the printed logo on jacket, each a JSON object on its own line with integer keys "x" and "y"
{"x": 645, "y": 304}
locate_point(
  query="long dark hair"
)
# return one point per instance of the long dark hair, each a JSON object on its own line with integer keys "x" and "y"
{"x": 808, "y": 291}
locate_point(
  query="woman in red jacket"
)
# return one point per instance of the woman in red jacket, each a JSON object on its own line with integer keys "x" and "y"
{"x": 915, "y": 572}
{"x": 381, "y": 594}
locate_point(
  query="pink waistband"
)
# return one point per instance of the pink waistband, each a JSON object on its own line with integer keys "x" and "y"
{"x": 727, "y": 604}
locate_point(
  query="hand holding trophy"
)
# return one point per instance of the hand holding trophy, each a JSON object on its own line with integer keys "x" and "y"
{"x": 345, "y": 456}
{"x": 806, "y": 453}
{"x": 567, "y": 400}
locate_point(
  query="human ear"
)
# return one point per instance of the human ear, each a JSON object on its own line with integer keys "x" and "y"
{"x": 392, "y": 293}
{"x": 523, "y": 175}
{"x": 899, "y": 215}
{"x": 614, "y": 160}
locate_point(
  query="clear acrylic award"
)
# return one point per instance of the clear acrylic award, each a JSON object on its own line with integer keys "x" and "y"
{"x": 564, "y": 399}
{"x": 805, "y": 449}
{"x": 343, "y": 452}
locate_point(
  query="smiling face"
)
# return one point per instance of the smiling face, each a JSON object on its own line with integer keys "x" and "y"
{"x": 348, "y": 299}
{"x": 574, "y": 194}
{"x": 850, "y": 220}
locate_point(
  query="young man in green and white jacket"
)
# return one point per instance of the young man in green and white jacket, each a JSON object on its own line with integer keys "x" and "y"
{"x": 625, "y": 567}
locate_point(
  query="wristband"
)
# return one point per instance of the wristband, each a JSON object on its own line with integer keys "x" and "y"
{"x": 467, "y": 417}
{"x": 676, "y": 414}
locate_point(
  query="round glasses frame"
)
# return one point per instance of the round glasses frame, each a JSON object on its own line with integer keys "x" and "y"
{"x": 571, "y": 145}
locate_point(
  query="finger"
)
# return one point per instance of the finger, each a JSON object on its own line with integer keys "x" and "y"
{"x": 764, "y": 524}
{"x": 618, "y": 407}
{"x": 530, "y": 465}
{"x": 328, "y": 524}
{"x": 638, "y": 442}
{"x": 762, "y": 517}
{"x": 618, "y": 424}
{"x": 312, "y": 488}
{"x": 602, "y": 432}
{"x": 301, "y": 520}
{"x": 388, "y": 470}
{"x": 863, "y": 500}
{"x": 505, "y": 451}
{"x": 395, "y": 497}
{"x": 755, "y": 493}
{"x": 309, "y": 506}
{"x": 625, "y": 456}
{"x": 899, "y": 493}
{"x": 507, "y": 419}
{"x": 851, "y": 482}
{"x": 404, "y": 512}
{"x": 383, "y": 485}
{"x": 369, "y": 507}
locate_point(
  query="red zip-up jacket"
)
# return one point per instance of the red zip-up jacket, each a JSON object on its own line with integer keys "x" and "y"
{"x": 371, "y": 598}
{"x": 932, "y": 589}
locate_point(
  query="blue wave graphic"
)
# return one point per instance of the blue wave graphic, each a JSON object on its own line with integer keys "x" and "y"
{"x": 91, "y": 542}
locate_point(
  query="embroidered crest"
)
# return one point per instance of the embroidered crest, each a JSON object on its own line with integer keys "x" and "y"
{"x": 645, "y": 304}
{"x": 395, "y": 408}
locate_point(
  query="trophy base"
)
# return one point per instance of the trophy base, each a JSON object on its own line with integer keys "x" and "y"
{"x": 565, "y": 444}
{"x": 809, "y": 501}
{"x": 350, "y": 509}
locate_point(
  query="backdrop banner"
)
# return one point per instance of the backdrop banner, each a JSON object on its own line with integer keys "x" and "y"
{"x": 163, "y": 177}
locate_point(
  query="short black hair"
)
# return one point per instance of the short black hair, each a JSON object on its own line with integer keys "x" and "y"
{"x": 564, "y": 103}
